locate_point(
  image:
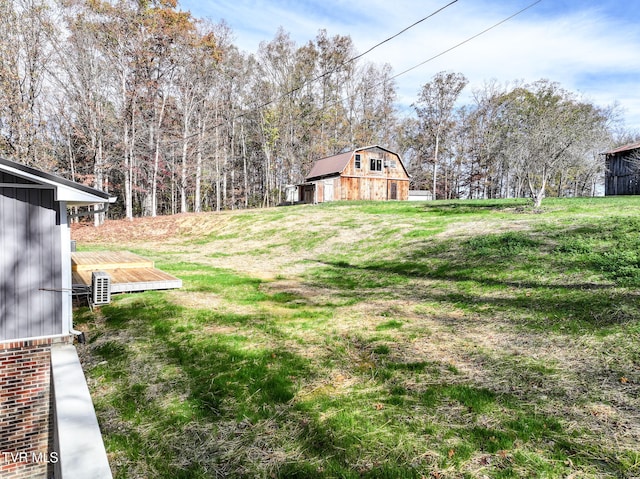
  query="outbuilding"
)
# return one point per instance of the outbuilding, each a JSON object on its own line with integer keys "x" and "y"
{"x": 41, "y": 432}
{"x": 367, "y": 173}
{"x": 622, "y": 170}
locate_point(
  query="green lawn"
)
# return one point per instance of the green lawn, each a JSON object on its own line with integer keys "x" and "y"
{"x": 380, "y": 340}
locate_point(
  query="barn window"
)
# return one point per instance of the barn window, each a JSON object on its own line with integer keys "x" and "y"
{"x": 358, "y": 162}
{"x": 376, "y": 165}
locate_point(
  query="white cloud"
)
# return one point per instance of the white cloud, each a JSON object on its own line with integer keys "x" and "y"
{"x": 586, "y": 50}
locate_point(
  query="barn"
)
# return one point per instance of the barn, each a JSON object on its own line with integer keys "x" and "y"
{"x": 367, "y": 173}
{"x": 47, "y": 422}
{"x": 622, "y": 173}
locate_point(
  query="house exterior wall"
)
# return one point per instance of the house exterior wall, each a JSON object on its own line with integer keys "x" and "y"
{"x": 35, "y": 313}
{"x": 622, "y": 174}
{"x": 31, "y": 262}
{"x": 26, "y": 439}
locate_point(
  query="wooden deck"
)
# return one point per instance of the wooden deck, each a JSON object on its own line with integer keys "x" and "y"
{"x": 129, "y": 272}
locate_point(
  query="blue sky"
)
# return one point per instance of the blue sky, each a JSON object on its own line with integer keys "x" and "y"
{"x": 589, "y": 47}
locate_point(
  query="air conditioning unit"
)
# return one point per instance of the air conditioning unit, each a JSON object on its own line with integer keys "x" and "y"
{"x": 100, "y": 288}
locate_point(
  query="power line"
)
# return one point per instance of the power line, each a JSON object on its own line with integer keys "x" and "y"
{"x": 468, "y": 39}
{"x": 444, "y": 52}
{"x": 350, "y": 60}
{"x": 401, "y": 31}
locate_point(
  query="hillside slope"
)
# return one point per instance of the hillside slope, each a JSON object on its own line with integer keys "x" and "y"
{"x": 269, "y": 241}
{"x": 441, "y": 339}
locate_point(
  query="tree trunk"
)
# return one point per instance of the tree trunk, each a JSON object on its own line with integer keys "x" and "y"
{"x": 183, "y": 165}
{"x": 233, "y": 188}
{"x": 198, "y": 194}
{"x": 537, "y": 194}
{"x": 217, "y": 160}
{"x": 128, "y": 152}
{"x": 435, "y": 168}
{"x": 98, "y": 218}
{"x": 156, "y": 162}
{"x": 244, "y": 167}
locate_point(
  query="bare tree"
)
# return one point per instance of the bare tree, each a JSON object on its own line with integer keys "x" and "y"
{"x": 435, "y": 107}
{"x": 25, "y": 51}
{"x": 548, "y": 128}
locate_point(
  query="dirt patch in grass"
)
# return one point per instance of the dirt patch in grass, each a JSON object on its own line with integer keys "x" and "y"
{"x": 206, "y": 301}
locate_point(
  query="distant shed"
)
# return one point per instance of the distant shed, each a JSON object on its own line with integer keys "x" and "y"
{"x": 622, "y": 175}
{"x": 420, "y": 195}
{"x": 367, "y": 173}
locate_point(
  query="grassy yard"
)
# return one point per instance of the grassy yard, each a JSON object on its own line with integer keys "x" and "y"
{"x": 463, "y": 339}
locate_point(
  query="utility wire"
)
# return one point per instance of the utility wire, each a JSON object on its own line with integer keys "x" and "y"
{"x": 324, "y": 74}
{"x": 404, "y": 72}
{"x": 444, "y": 52}
{"x": 350, "y": 60}
{"x": 496, "y": 25}
{"x": 401, "y": 32}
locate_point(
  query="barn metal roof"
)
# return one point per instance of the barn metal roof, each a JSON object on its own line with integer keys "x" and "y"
{"x": 332, "y": 165}
{"x": 630, "y": 146}
{"x": 74, "y": 194}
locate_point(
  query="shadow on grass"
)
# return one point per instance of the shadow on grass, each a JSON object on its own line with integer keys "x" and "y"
{"x": 458, "y": 207}
{"x": 573, "y": 306}
{"x": 539, "y": 279}
{"x": 197, "y": 392}
{"x": 183, "y": 394}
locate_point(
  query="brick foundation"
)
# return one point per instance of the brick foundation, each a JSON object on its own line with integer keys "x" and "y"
{"x": 25, "y": 409}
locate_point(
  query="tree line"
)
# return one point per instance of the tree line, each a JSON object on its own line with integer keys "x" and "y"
{"x": 141, "y": 99}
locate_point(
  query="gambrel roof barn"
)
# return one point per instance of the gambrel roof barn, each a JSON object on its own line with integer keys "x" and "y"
{"x": 367, "y": 173}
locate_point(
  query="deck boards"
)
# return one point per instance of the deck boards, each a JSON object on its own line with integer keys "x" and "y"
{"x": 128, "y": 271}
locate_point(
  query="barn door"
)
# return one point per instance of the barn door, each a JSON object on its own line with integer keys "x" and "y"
{"x": 394, "y": 191}
{"x": 328, "y": 190}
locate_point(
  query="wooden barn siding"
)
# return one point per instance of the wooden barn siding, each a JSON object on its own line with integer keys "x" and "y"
{"x": 622, "y": 177}
{"x": 403, "y": 190}
{"x": 362, "y": 188}
{"x": 30, "y": 263}
{"x": 365, "y": 170}
{"x": 364, "y": 184}
{"x": 319, "y": 191}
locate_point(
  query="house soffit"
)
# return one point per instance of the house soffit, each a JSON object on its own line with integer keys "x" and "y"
{"x": 74, "y": 194}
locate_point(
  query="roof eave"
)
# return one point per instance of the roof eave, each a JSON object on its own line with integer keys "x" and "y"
{"x": 622, "y": 149}
{"x": 74, "y": 194}
{"x": 323, "y": 177}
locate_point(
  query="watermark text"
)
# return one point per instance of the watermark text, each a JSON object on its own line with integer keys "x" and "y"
{"x": 29, "y": 457}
